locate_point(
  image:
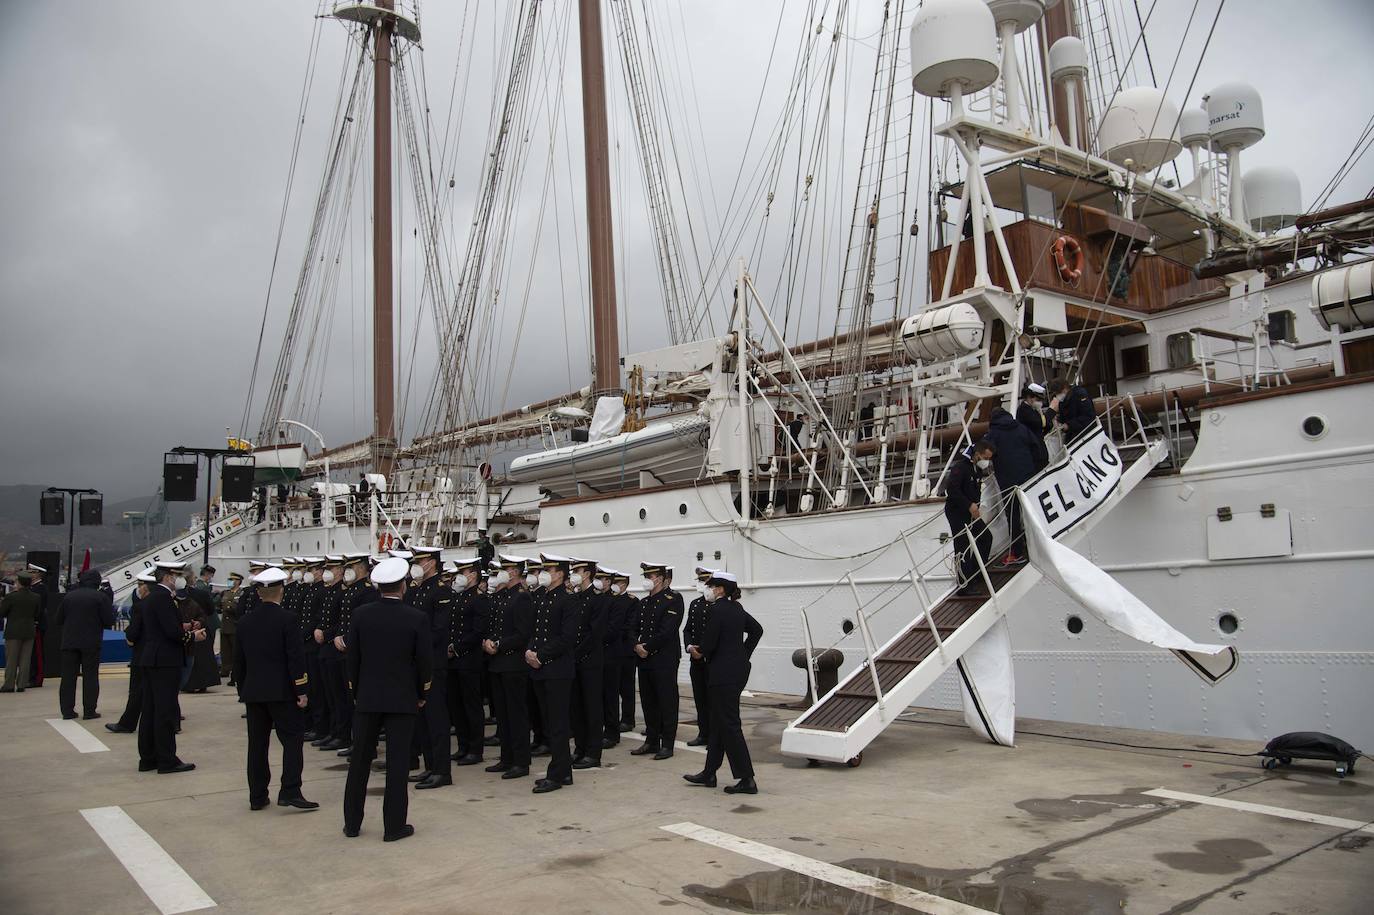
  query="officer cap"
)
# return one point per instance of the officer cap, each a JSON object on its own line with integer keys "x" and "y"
{"x": 621, "y": 577}
{"x": 427, "y": 550}
{"x": 256, "y": 564}
{"x": 554, "y": 561}
{"x": 146, "y": 576}
{"x": 1032, "y": 388}
{"x": 389, "y": 571}
{"x": 575, "y": 563}
{"x": 402, "y": 554}
{"x": 34, "y": 567}
{"x": 651, "y": 568}
{"x": 358, "y": 556}
{"x": 507, "y": 560}
{"x": 269, "y": 578}
{"x": 463, "y": 564}
{"x": 606, "y": 572}
{"x": 236, "y": 575}
{"x": 164, "y": 566}
{"x": 703, "y": 572}
{"x": 334, "y": 560}
{"x": 723, "y": 578}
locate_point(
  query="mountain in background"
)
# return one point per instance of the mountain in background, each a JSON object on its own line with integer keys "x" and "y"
{"x": 21, "y": 532}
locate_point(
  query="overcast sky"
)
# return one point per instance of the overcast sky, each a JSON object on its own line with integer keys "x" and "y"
{"x": 145, "y": 157}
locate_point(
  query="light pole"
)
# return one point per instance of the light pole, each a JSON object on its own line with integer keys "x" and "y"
{"x": 71, "y": 495}
{"x": 324, "y": 455}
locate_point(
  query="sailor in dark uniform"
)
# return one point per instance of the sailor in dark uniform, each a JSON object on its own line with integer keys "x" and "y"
{"x": 551, "y": 657}
{"x": 330, "y": 662}
{"x": 729, "y": 641}
{"x": 269, "y": 668}
{"x": 128, "y": 722}
{"x": 698, "y": 612}
{"x": 629, "y": 604}
{"x": 589, "y": 655}
{"x": 534, "y": 587}
{"x": 466, "y": 662}
{"x": 162, "y": 639}
{"x": 613, "y": 643}
{"x": 510, "y": 625}
{"x": 436, "y": 602}
{"x": 357, "y": 592}
{"x": 390, "y": 652}
{"x": 659, "y": 649}
{"x": 311, "y": 605}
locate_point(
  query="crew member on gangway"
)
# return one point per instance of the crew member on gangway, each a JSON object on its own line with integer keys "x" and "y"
{"x": 963, "y": 492}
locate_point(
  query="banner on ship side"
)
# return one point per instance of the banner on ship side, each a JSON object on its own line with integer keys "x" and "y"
{"x": 1071, "y": 488}
{"x": 122, "y": 576}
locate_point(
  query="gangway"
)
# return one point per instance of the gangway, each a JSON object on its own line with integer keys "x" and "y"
{"x": 845, "y": 720}
{"x": 181, "y": 547}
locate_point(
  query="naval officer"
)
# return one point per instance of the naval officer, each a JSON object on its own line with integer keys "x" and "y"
{"x": 145, "y": 581}
{"x": 698, "y": 612}
{"x": 659, "y": 649}
{"x": 510, "y": 625}
{"x": 550, "y": 656}
{"x": 389, "y": 660}
{"x": 466, "y": 662}
{"x": 436, "y": 603}
{"x": 162, "y": 639}
{"x": 589, "y": 656}
{"x": 269, "y": 668}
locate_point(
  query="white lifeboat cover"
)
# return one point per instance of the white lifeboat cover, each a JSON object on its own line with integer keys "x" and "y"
{"x": 607, "y": 420}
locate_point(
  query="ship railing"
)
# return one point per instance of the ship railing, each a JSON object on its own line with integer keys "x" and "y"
{"x": 1249, "y": 361}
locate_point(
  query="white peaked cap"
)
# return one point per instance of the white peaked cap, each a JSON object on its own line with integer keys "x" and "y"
{"x": 170, "y": 566}
{"x": 390, "y": 571}
{"x": 146, "y": 576}
{"x": 401, "y": 554}
{"x": 270, "y": 577}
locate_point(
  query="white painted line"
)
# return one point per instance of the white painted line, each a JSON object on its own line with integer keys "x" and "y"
{"x": 169, "y": 887}
{"x": 1287, "y": 814}
{"x": 77, "y": 736}
{"x": 679, "y": 744}
{"x": 876, "y": 887}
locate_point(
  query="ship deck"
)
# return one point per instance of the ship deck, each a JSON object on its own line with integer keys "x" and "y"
{"x": 932, "y": 817}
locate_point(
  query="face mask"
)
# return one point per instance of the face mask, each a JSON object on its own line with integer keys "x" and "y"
{"x": 984, "y": 464}
{"x": 617, "y": 589}
{"x": 180, "y": 582}
{"x": 501, "y": 578}
{"x": 702, "y": 588}
{"x": 531, "y": 580}
{"x": 1037, "y": 403}
{"x": 296, "y": 575}
{"x": 545, "y": 579}
{"x": 327, "y": 577}
{"x": 350, "y": 576}
{"x": 599, "y": 584}
{"x": 711, "y": 596}
{"x": 575, "y": 579}
{"x": 308, "y": 578}
{"x": 648, "y": 584}
{"x": 460, "y": 584}
{"x": 416, "y": 571}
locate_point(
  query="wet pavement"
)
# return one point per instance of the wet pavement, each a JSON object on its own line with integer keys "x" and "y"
{"x": 1060, "y": 824}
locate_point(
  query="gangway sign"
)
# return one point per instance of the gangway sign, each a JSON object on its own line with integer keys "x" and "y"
{"x": 122, "y": 576}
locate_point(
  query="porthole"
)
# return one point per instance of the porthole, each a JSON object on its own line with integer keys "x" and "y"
{"x": 847, "y": 626}
{"x": 572, "y": 522}
{"x": 1227, "y": 623}
{"x": 643, "y": 513}
{"x": 1074, "y": 624}
{"x": 1314, "y": 427}
{"x": 605, "y": 517}
{"x": 682, "y": 509}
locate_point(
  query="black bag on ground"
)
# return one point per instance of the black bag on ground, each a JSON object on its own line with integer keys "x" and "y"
{"x": 1285, "y": 748}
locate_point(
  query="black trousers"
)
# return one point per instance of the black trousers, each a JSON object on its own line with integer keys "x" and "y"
{"x": 553, "y": 697}
{"x": 289, "y": 723}
{"x": 335, "y": 677}
{"x": 587, "y": 701}
{"x": 465, "y": 709}
{"x": 701, "y": 698}
{"x": 1018, "y": 533}
{"x": 160, "y": 717}
{"x": 316, "y": 719}
{"x": 431, "y": 735}
{"x": 627, "y": 692}
{"x": 395, "y": 801}
{"x": 968, "y": 534}
{"x": 727, "y": 736}
{"x": 509, "y": 689}
{"x": 610, "y": 698}
{"x": 536, "y": 715}
{"x": 133, "y": 707}
{"x": 87, "y": 661}
{"x": 658, "y": 696}
{"x": 226, "y": 655}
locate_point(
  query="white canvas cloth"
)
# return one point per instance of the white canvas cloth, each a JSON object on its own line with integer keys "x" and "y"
{"x": 608, "y": 419}
{"x": 987, "y": 686}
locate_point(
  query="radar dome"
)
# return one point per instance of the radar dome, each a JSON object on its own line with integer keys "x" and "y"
{"x": 1025, "y": 13}
{"x": 1141, "y": 125}
{"x": 953, "y": 42}
{"x": 1273, "y": 197}
{"x": 1235, "y": 116}
{"x": 1068, "y": 59}
{"x": 1192, "y": 128}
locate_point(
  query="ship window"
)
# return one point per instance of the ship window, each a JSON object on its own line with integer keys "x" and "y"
{"x": 847, "y": 626}
{"x": 1227, "y": 623}
{"x": 1314, "y": 427}
{"x": 572, "y": 522}
{"x": 643, "y": 513}
{"x": 1074, "y": 624}
{"x": 1281, "y": 327}
{"x": 682, "y": 509}
{"x": 605, "y": 518}
{"x": 1179, "y": 349}
{"x": 1135, "y": 360}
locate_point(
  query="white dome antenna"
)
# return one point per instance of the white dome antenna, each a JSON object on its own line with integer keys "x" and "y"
{"x": 1235, "y": 118}
{"x": 1013, "y": 17}
{"x": 1273, "y": 198}
{"x": 953, "y": 50}
{"x": 1140, "y": 130}
{"x": 1069, "y": 66}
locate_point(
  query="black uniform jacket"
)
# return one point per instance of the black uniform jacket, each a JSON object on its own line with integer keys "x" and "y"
{"x": 613, "y": 637}
{"x": 1076, "y": 411}
{"x": 730, "y": 639}
{"x": 312, "y": 599}
{"x": 555, "y": 633}
{"x": 331, "y": 605}
{"x": 269, "y": 664}
{"x": 659, "y": 629}
{"x": 698, "y": 612}
{"x": 436, "y": 602}
{"x": 629, "y": 625}
{"x": 962, "y": 490}
{"x": 358, "y": 594}
{"x": 510, "y": 624}
{"x": 390, "y": 658}
{"x": 1020, "y": 453}
{"x": 83, "y": 615}
{"x": 1033, "y": 419}
{"x": 160, "y": 638}
{"x": 591, "y": 627}
{"x": 467, "y": 628}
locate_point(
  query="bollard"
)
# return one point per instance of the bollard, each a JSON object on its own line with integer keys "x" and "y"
{"x": 828, "y": 663}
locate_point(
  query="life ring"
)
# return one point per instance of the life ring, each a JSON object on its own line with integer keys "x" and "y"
{"x": 1068, "y": 258}
{"x": 383, "y": 542}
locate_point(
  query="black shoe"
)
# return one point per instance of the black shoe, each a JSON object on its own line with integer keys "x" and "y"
{"x": 352, "y": 831}
{"x": 146, "y": 766}
{"x": 665, "y": 753}
{"x": 90, "y": 716}
{"x": 345, "y": 752}
{"x": 586, "y": 763}
{"x": 435, "y": 781}
{"x": 298, "y": 802}
{"x": 405, "y": 832}
{"x": 645, "y": 749}
{"x": 608, "y": 742}
{"x": 115, "y": 727}
{"x": 498, "y": 767}
{"x": 6, "y": 689}
{"x": 334, "y": 743}
{"x": 492, "y": 741}
{"x": 379, "y": 765}
{"x": 516, "y": 772}
{"x": 179, "y": 767}
{"x": 566, "y": 780}
{"x": 697, "y": 741}
{"x": 540, "y": 749}
{"x": 66, "y": 717}
{"x": 321, "y": 741}
{"x": 744, "y": 786}
{"x": 543, "y": 786}
{"x": 309, "y": 736}
{"x": 626, "y": 727}
{"x": 257, "y": 805}
{"x": 467, "y": 759}
{"x": 702, "y": 779}
{"x": 419, "y": 776}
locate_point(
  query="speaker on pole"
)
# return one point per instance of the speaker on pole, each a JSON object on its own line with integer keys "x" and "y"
{"x": 91, "y": 509}
{"x": 236, "y": 480}
{"x": 179, "y": 478}
{"x": 52, "y": 508}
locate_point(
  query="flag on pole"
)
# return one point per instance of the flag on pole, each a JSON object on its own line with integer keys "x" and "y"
{"x": 86, "y": 563}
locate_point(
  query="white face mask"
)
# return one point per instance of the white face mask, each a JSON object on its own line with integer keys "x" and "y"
{"x": 308, "y": 578}
{"x": 599, "y": 584}
{"x": 327, "y": 577}
{"x": 296, "y": 575}
{"x": 179, "y": 583}
{"x": 501, "y": 578}
{"x": 1037, "y": 403}
{"x": 531, "y": 580}
{"x": 617, "y": 588}
{"x": 648, "y": 584}
{"x": 702, "y": 588}
{"x": 417, "y": 571}
{"x": 575, "y": 579}
{"x": 545, "y": 579}
{"x": 984, "y": 464}
{"x": 460, "y": 584}
{"x": 350, "y": 576}
{"x": 712, "y": 596}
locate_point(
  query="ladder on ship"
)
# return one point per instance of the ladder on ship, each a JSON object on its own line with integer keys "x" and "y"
{"x": 847, "y": 719}
{"x": 184, "y": 546}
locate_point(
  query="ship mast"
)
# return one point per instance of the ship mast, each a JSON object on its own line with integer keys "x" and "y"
{"x": 600, "y": 243}
{"x": 383, "y": 393}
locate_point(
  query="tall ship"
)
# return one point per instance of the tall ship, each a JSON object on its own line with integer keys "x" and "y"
{"x": 1025, "y": 198}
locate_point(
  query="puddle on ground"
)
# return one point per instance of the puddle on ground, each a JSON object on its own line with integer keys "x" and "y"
{"x": 1017, "y": 894}
{"x": 1214, "y": 856}
{"x": 746, "y": 808}
{"x": 577, "y": 860}
{"x": 1081, "y": 807}
{"x": 1331, "y": 787}
{"x": 1352, "y": 843}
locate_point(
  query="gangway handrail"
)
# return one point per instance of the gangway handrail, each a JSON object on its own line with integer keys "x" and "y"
{"x": 869, "y": 648}
{"x": 810, "y": 657}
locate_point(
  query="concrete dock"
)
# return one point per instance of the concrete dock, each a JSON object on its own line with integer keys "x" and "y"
{"x": 934, "y": 820}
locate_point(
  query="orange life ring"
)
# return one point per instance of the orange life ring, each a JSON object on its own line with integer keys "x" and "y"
{"x": 1068, "y": 258}
{"x": 383, "y": 542}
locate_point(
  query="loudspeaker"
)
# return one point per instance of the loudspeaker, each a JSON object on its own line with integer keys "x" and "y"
{"x": 179, "y": 481}
{"x": 52, "y": 508}
{"x": 236, "y": 482}
{"x": 90, "y": 509}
